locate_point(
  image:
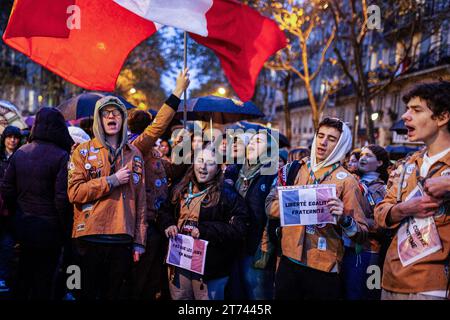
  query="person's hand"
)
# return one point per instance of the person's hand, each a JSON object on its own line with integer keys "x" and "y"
{"x": 195, "y": 233}
{"x": 182, "y": 83}
{"x": 123, "y": 175}
{"x": 418, "y": 207}
{"x": 171, "y": 232}
{"x": 336, "y": 207}
{"x": 437, "y": 187}
{"x": 136, "y": 256}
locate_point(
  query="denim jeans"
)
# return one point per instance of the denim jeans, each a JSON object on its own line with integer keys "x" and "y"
{"x": 6, "y": 254}
{"x": 257, "y": 284}
{"x": 355, "y": 275}
{"x": 187, "y": 285}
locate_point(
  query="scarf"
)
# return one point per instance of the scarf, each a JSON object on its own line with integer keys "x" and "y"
{"x": 191, "y": 205}
{"x": 343, "y": 146}
{"x": 246, "y": 175}
{"x": 370, "y": 176}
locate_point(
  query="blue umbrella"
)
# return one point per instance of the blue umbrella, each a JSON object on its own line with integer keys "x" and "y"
{"x": 83, "y": 105}
{"x": 219, "y": 110}
{"x": 401, "y": 149}
{"x": 399, "y": 127}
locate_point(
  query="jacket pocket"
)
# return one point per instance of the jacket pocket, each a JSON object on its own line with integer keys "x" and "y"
{"x": 323, "y": 260}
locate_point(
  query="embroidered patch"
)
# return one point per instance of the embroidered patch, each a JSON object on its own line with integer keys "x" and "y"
{"x": 310, "y": 229}
{"x": 94, "y": 150}
{"x": 322, "y": 244}
{"x": 341, "y": 175}
{"x": 410, "y": 168}
{"x": 81, "y": 227}
{"x": 83, "y": 152}
{"x": 136, "y": 178}
{"x": 86, "y": 207}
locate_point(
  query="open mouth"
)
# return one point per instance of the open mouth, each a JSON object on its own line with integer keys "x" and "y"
{"x": 410, "y": 129}
{"x": 202, "y": 174}
{"x": 321, "y": 150}
{"x": 111, "y": 124}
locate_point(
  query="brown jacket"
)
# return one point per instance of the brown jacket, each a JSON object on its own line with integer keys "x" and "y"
{"x": 98, "y": 208}
{"x": 155, "y": 173}
{"x": 429, "y": 273}
{"x": 297, "y": 244}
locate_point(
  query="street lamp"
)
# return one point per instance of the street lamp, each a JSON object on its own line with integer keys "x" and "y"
{"x": 221, "y": 91}
{"x": 374, "y": 116}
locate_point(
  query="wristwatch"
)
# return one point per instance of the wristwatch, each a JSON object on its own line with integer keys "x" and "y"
{"x": 347, "y": 222}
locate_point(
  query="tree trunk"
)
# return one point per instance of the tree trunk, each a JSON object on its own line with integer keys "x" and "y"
{"x": 355, "y": 124}
{"x": 287, "y": 113}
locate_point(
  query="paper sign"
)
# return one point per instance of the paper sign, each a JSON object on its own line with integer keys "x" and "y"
{"x": 187, "y": 253}
{"x": 417, "y": 238}
{"x": 306, "y": 205}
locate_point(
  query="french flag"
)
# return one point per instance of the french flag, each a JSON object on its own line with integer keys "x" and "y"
{"x": 241, "y": 38}
{"x": 187, "y": 253}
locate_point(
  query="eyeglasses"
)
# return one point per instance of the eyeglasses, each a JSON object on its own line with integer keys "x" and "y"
{"x": 106, "y": 113}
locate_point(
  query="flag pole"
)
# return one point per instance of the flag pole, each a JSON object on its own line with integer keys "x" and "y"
{"x": 185, "y": 91}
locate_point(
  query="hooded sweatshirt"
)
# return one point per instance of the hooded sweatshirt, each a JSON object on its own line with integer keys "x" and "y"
{"x": 35, "y": 183}
{"x": 106, "y": 211}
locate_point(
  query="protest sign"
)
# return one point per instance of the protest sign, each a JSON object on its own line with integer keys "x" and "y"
{"x": 187, "y": 253}
{"x": 417, "y": 238}
{"x": 306, "y": 205}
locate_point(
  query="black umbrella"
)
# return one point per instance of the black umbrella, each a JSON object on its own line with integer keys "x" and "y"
{"x": 83, "y": 105}
{"x": 219, "y": 110}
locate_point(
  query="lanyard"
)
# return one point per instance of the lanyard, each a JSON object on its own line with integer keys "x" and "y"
{"x": 421, "y": 180}
{"x": 319, "y": 180}
{"x": 192, "y": 196}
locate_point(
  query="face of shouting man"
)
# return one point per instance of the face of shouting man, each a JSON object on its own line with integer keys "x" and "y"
{"x": 326, "y": 140}
{"x": 111, "y": 120}
{"x": 420, "y": 122}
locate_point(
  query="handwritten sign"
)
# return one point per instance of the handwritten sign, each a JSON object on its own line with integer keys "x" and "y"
{"x": 306, "y": 205}
{"x": 187, "y": 253}
{"x": 417, "y": 238}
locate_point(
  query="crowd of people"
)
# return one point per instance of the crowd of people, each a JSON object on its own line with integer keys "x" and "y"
{"x": 108, "y": 201}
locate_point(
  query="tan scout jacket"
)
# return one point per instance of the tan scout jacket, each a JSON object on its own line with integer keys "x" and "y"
{"x": 297, "y": 244}
{"x": 429, "y": 273}
{"x": 98, "y": 209}
{"x": 155, "y": 174}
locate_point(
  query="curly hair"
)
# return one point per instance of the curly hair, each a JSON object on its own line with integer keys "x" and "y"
{"x": 436, "y": 95}
{"x": 332, "y": 123}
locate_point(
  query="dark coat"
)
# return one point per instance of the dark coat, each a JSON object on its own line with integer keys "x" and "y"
{"x": 223, "y": 225}
{"x": 255, "y": 199}
{"x": 35, "y": 183}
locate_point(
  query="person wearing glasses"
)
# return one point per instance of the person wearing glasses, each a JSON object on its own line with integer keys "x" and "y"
{"x": 106, "y": 186}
